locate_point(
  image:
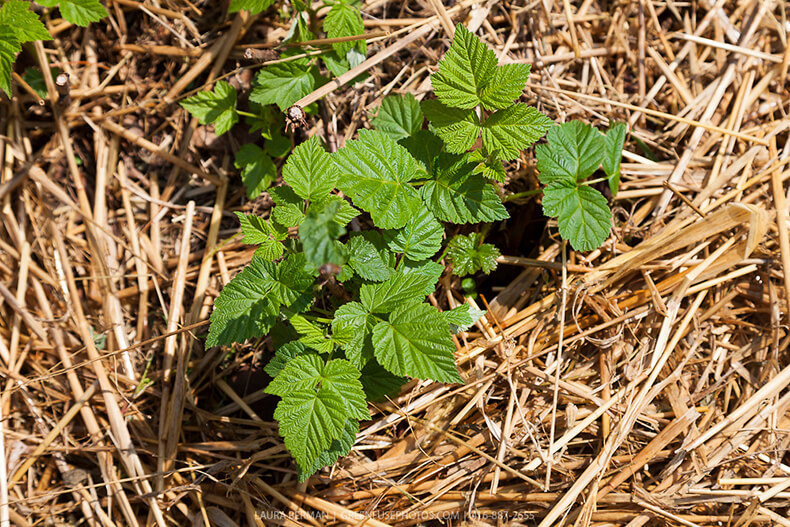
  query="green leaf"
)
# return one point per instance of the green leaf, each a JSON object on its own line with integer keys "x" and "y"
{"x": 506, "y": 86}
{"x": 469, "y": 255}
{"x": 458, "y": 195}
{"x": 429, "y": 271}
{"x": 340, "y": 447}
{"x": 462, "y": 317}
{"x": 425, "y": 147}
{"x": 399, "y": 116}
{"x": 345, "y": 213}
{"x": 465, "y": 71}
{"x": 319, "y": 233}
{"x": 284, "y": 353}
{"x": 415, "y": 341}
{"x": 260, "y": 232}
{"x": 35, "y": 79}
{"x": 289, "y": 211}
{"x": 374, "y": 172}
{"x": 216, "y": 107}
{"x": 400, "y": 289}
{"x": 458, "y": 128}
{"x": 16, "y": 14}
{"x": 258, "y": 171}
{"x": 253, "y": 6}
{"x": 283, "y": 84}
{"x": 245, "y": 308}
{"x": 293, "y": 284}
{"x": 513, "y": 129}
{"x": 419, "y": 239}
{"x": 582, "y": 213}
{"x": 344, "y": 20}
{"x": 79, "y": 12}
{"x": 378, "y": 383}
{"x": 9, "y": 47}
{"x": 318, "y": 398}
{"x": 352, "y": 327}
{"x": 573, "y": 152}
{"x": 488, "y": 166}
{"x": 613, "y": 153}
{"x": 278, "y": 145}
{"x": 310, "y": 171}
{"x": 312, "y": 336}
{"x": 366, "y": 260}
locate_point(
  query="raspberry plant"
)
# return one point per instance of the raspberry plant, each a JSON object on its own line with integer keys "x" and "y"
{"x": 349, "y": 252}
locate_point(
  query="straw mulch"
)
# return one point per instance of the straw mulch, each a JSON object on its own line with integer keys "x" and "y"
{"x": 644, "y": 383}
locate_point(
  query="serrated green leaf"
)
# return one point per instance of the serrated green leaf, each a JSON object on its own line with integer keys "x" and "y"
{"x": 399, "y": 116}
{"x": 319, "y": 233}
{"x": 258, "y": 171}
{"x": 284, "y": 353}
{"x": 253, "y": 6}
{"x": 613, "y": 154}
{"x": 573, "y": 152}
{"x": 217, "y": 107}
{"x": 465, "y": 71}
{"x": 425, "y": 147}
{"x": 344, "y": 20}
{"x": 293, "y": 284}
{"x": 258, "y": 231}
{"x": 345, "y": 212}
{"x": 513, "y": 129}
{"x": 353, "y": 328}
{"x": 458, "y": 128}
{"x": 310, "y": 171}
{"x": 79, "y": 12}
{"x": 416, "y": 342}
{"x": 374, "y": 173}
{"x": 35, "y": 79}
{"x": 277, "y": 145}
{"x": 457, "y": 195}
{"x": 16, "y": 14}
{"x": 318, "y": 399}
{"x": 378, "y": 383}
{"x": 469, "y": 255}
{"x": 419, "y": 239}
{"x": 366, "y": 260}
{"x": 245, "y": 308}
{"x": 488, "y": 166}
{"x": 311, "y": 335}
{"x": 400, "y": 289}
{"x": 462, "y": 317}
{"x": 283, "y": 84}
{"x": 9, "y": 47}
{"x": 289, "y": 211}
{"x": 582, "y": 213}
{"x": 340, "y": 447}
{"x": 430, "y": 271}
{"x": 506, "y": 86}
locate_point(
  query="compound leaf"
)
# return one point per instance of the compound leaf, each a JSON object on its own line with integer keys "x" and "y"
{"x": 262, "y": 233}
{"x": 458, "y": 195}
{"x": 217, "y": 107}
{"x": 415, "y": 342}
{"x": 419, "y": 239}
{"x": 582, "y": 213}
{"x": 399, "y": 116}
{"x": 465, "y": 71}
{"x": 374, "y": 172}
{"x": 258, "y": 171}
{"x": 573, "y": 152}
{"x": 469, "y": 254}
{"x": 245, "y": 308}
{"x": 458, "y": 128}
{"x": 310, "y": 171}
{"x": 513, "y": 129}
{"x": 344, "y": 20}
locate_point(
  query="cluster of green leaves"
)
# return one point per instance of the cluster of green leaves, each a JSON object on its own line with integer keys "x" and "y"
{"x": 574, "y": 152}
{"x": 345, "y": 306}
{"x": 19, "y": 24}
{"x": 280, "y": 84}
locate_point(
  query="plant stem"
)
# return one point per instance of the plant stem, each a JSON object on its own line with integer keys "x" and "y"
{"x": 519, "y": 195}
